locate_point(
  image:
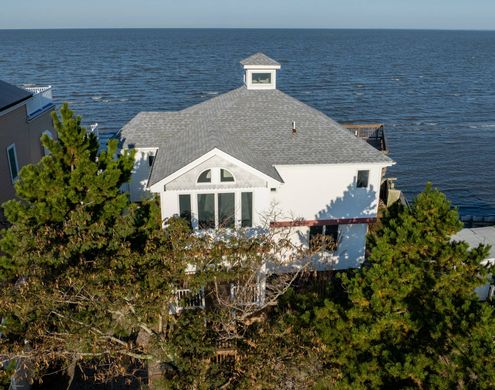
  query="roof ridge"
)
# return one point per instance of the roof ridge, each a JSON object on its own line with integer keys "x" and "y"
{"x": 259, "y": 58}
{"x": 221, "y": 96}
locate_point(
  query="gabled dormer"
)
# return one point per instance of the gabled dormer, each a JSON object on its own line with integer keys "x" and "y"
{"x": 260, "y": 72}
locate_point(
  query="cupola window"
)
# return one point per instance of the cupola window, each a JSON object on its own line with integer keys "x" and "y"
{"x": 205, "y": 177}
{"x": 262, "y": 78}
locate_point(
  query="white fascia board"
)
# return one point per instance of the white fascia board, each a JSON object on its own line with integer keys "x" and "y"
{"x": 260, "y": 67}
{"x": 360, "y": 164}
{"x": 146, "y": 149}
{"x": 158, "y": 186}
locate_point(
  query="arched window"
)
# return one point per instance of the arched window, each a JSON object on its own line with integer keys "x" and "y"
{"x": 226, "y": 176}
{"x": 205, "y": 177}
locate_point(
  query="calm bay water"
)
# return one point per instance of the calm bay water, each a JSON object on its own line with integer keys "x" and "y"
{"x": 433, "y": 90}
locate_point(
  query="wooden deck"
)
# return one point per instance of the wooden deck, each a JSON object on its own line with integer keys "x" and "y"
{"x": 373, "y": 133}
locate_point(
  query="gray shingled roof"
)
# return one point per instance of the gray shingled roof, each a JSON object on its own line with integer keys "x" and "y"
{"x": 259, "y": 59}
{"x": 254, "y": 126}
{"x": 10, "y": 95}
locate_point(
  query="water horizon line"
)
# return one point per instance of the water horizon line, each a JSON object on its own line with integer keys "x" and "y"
{"x": 253, "y": 28}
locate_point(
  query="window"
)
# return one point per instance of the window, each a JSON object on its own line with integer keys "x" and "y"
{"x": 262, "y": 78}
{"x": 185, "y": 208}
{"x": 151, "y": 158}
{"x": 206, "y": 211}
{"x": 226, "y": 210}
{"x": 323, "y": 237}
{"x": 247, "y": 209}
{"x": 226, "y": 176}
{"x": 219, "y": 210}
{"x": 205, "y": 177}
{"x": 362, "y": 179}
{"x": 14, "y": 167}
{"x": 46, "y": 152}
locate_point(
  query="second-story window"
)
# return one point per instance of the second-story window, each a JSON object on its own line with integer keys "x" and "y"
{"x": 362, "y": 179}
{"x": 13, "y": 165}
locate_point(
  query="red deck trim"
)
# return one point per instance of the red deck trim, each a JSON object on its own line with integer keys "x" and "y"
{"x": 321, "y": 222}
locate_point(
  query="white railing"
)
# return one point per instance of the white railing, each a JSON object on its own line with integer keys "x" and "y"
{"x": 41, "y": 100}
{"x": 185, "y": 299}
{"x": 36, "y": 89}
{"x": 248, "y": 295}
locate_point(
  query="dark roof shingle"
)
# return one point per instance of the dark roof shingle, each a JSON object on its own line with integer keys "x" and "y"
{"x": 10, "y": 95}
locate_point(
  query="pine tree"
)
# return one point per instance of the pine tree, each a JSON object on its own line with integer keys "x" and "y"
{"x": 73, "y": 194}
{"x": 410, "y": 318}
{"x": 71, "y": 258}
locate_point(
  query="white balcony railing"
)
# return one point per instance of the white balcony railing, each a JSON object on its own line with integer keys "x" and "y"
{"x": 186, "y": 299}
{"x": 248, "y": 295}
{"x": 41, "y": 100}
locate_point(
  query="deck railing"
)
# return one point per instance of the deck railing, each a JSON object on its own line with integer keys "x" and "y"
{"x": 373, "y": 133}
{"x": 41, "y": 100}
{"x": 186, "y": 299}
{"x": 246, "y": 295}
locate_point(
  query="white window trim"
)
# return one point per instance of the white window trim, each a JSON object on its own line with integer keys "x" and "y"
{"x": 249, "y": 79}
{"x": 216, "y": 177}
{"x": 220, "y": 176}
{"x": 14, "y": 179}
{"x": 202, "y": 183}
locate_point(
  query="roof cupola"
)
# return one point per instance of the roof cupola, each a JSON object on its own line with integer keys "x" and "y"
{"x": 260, "y": 72}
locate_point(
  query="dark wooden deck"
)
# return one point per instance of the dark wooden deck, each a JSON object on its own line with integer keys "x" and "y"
{"x": 373, "y": 133}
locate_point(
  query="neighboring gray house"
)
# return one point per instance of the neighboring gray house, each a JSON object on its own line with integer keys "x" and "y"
{"x": 231, "y": 160}
{"x": 24, "y": 117}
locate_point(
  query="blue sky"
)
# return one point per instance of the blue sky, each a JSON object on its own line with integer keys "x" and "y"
{"x": 436, "y": 14}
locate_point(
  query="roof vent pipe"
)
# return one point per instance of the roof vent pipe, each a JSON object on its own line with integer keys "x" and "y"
{"x": 294, "y": 130}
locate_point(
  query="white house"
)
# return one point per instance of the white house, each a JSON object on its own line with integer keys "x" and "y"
{"x": 234, "y": 159}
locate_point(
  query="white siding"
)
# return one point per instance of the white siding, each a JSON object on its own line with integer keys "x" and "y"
{"x": 328, "y": 191}
{"x": 138, "y": 184}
